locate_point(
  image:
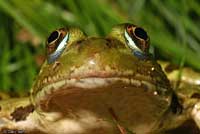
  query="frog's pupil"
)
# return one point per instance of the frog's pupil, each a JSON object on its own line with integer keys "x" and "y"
{"x": 53, "y": 36}
{"x": 141, "y": 33}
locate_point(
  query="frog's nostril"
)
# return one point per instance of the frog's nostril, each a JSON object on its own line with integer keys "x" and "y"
{"x": 54, "y": 35}
{"x": 139, "y": 32}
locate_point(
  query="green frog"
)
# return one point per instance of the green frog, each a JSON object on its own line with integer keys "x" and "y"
{"x": 102, "y": 85}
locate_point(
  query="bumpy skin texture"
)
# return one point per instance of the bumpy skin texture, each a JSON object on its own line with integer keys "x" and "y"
{"x": 97, "y": 85}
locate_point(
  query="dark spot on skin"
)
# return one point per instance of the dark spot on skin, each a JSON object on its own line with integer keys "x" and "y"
{"x": 0, "y": 108}
{"x": 176, "y": 107}
{"x": 108, "y": 43}
{"x": 21, "y": 113}
{"x": 108, "y": 40}
{"x": 80, "y": 41}
{"x": 170, "y": 67}
{"x": 195, "y": 95}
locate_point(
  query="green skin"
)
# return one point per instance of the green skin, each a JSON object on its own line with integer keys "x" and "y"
{"x": 97, "y": 85}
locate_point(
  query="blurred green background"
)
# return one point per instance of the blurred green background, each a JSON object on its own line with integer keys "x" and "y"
{"x": 173, "y": 26}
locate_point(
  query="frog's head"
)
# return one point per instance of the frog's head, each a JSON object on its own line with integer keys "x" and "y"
{"x": 95, "y": 74}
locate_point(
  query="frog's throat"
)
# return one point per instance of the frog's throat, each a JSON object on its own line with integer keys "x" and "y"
{"x": 93, "y": 83}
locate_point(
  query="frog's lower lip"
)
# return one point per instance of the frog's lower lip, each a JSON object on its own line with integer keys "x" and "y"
{"x": 92, "y": 83}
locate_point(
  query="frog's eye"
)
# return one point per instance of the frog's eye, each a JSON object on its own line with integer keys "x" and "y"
{"x": 56, "y": 44}
{"x": 53, "y": 37}
{"x": 137, "y": 39}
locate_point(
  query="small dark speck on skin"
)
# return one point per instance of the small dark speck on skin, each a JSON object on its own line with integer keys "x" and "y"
{"x": 79, "y": 41}
{"x": 196, "y": 95}
{"x": 0, "y": 108}
{"x": 171, "y": 67}
{"x": 108, "y": 43}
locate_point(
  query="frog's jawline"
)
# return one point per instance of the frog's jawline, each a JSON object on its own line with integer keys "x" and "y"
{"x": 93, "y": 83}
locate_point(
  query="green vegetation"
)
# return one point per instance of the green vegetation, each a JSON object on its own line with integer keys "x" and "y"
{"x": 174, "y": 28}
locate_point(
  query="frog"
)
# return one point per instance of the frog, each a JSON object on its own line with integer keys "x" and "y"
{"x": 103, "y": 85}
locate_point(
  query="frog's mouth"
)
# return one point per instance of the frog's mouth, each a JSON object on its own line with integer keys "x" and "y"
{"x": 99, "y": 85}
{"x": 134, "y": 101}
{"x": 93, "y": 83}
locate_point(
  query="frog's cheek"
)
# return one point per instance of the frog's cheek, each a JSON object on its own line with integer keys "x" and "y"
{"x": 61, "y": 47}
